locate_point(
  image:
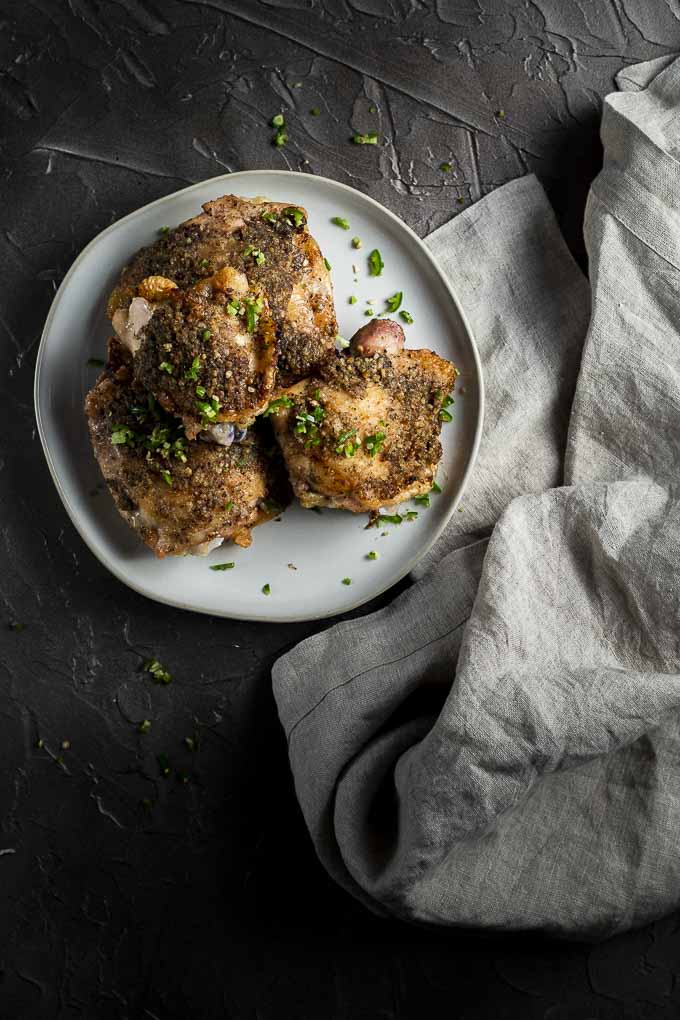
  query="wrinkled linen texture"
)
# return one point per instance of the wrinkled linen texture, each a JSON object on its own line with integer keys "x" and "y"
{"x": 500, "y": 748}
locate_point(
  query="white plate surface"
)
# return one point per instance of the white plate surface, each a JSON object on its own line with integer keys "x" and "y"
{"x": 324, "y": 547}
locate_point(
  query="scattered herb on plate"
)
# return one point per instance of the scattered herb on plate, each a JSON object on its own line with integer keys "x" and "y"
{"x": 340, "y": 221}
{"x": 375, "y": 263}
{"x": 222, "y": 566}
{"x": 406, "y": 317}
{"x": 266, "y": 589}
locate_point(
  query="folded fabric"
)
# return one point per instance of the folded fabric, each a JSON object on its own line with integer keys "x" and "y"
{"x": 500, "y": 748}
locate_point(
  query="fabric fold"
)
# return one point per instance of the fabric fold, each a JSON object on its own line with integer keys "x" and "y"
{"x": 499, "y": 748}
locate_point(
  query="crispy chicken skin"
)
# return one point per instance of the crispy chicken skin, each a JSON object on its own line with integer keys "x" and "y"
{"x": 363, "y": 433}
{"x": 181, "y": 496}
{"x": 268, "y": 244}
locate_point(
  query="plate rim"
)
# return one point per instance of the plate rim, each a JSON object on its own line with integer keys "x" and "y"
{"x": 74, "y": 516}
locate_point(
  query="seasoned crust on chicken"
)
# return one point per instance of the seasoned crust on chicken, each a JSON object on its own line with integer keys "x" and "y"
{"x": 267, "y": 242}
{"x": 364, "y": 432}
{"x": 181, "y": 496}
{"x": 208, "y": 353}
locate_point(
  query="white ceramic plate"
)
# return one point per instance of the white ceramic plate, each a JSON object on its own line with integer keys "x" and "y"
{"x": 324, "y": 547}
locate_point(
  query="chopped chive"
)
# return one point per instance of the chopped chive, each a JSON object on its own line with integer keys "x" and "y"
{"x": 164, "y": 765}
{"x": 500, "y": 114}
{"x": 356, "y": 243}
{"x": 192, "y": 373}
{"x": 435, "y": 488}
{"x": 229, "y": 506}
{"x": 165, "y": 366}
{"x": 375, "y": 263}
{"x": 327, "y": 265}
{"x": 164, "y": 230}
{"x": 340, "y": 343}
{"x": 372, "y": 555}
{"x": 159, "y": 674}
{"x": 144, "y": 726}
{"x": 369, "y": 311}
{"x": 373, "y": 109}
{"x": 167, "y": 477}
{"x": 204, "y": 263}
{"x": 394, "y": 302}
{"x": 423, "y": 500}
{"x": 294, "y": 216}
{"x": 315, "y": 111}
{"x": 223, "y": 566}
{"x": 277, "y": 405}
{"x": 411, "y": 515}
{"x": 445, "y": 415}
{"x": 347, "y": 580}
{"x": 266, "y": 589}
{"x": 406, "y": 317}
{"x": 371, "y": 138}
{"x": 277, "y": 120}
{"x": 353, "y": 300}
{"x": 390, "y": 519}
{"x": 206, "y": 334}
{"x": 280, "y": 138}
{"x": 340, "y": 221}
{"x": 446, "y": 167}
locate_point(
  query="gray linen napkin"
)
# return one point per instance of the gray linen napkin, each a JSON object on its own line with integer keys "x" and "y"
{"x": 501, "y": 746}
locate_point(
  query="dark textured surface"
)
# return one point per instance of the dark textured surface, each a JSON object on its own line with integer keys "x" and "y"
{"x": 125, "y": 894}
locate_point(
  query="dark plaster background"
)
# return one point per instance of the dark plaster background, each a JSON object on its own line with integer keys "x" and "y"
{"x": 207, "y": 901}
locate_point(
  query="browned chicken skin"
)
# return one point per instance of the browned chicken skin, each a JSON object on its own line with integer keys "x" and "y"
{"x": 270, "y": 248}
{"x": 363, "y": 433}
{"x": 181, "y": 496}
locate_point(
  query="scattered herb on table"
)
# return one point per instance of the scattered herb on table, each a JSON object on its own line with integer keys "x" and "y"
{"x": 370, "y": 138}
{"x": 158, "y": 673}
{"x": 144, "y": 726}
{"x": 277, "y": 120}
{"x": 446, "y": 167}
{"x": 315, "y": 111}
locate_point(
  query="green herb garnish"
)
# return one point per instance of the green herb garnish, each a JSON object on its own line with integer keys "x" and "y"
{"x": 269, "y": 217}
{"x": 206, "y": 334}
{"x": 445, "y": 415}
{"x": 165, "y": 366}
{"x": 164, "y": 230}
{"x": 315, "y": 111}
{"x": 159, "y": 674}
{"x": 371, "y": 138}
{"x": 352, "y": 300}
{"x": 347, "y": 580}
{"x": 254, "y": 307}
{"x": 327, "y": 264}
{"x": 122, "y": 434}
{"x": 373, "y": 443}
{"x": 369, "y": 311}
{"x": 277, "y": 405}
{"x": 234, "y": 307}
{"x": 423, "y": 500}
{"x": 144, "y": 726}
{"x": 411, "y": 515}
{"x": 346, "y": 444}
{"x": 341, "y": 343}
{"x": 340, "y": 221}
{"x": 406, "y": 317}
{"x": 435, "y": 488}
{"x": 295, "y": 216}
{"x": 356, "y": 242}
{"x": 208, "y": 408}
{"x": 375, "y": 263}
{"x": 277, "y": 120}
{"x": 259, "y": 256}
{"x": 308, "y": 424}
{"x": 372, "y": 555}
{"x": 393, "y": 302}
{"x": 167, "y": 478}
{"x": 229, "y": 506}
{"x": 222, "y": 566}
{"x": 446, "y": 167}
{"x": 266, "y": 589}
{"x": 389, "y": 519}
{"x": 192, "y": 373}
{"x": 280, "y": 138}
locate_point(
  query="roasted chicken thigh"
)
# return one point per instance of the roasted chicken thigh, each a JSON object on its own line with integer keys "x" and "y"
{"x": 363, "y": 432}
{"x": 268, "y": 245}
{"x": 181, "y": 496}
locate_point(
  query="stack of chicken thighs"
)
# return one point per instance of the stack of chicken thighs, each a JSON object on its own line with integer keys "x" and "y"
{"x": 224, "y": 388}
